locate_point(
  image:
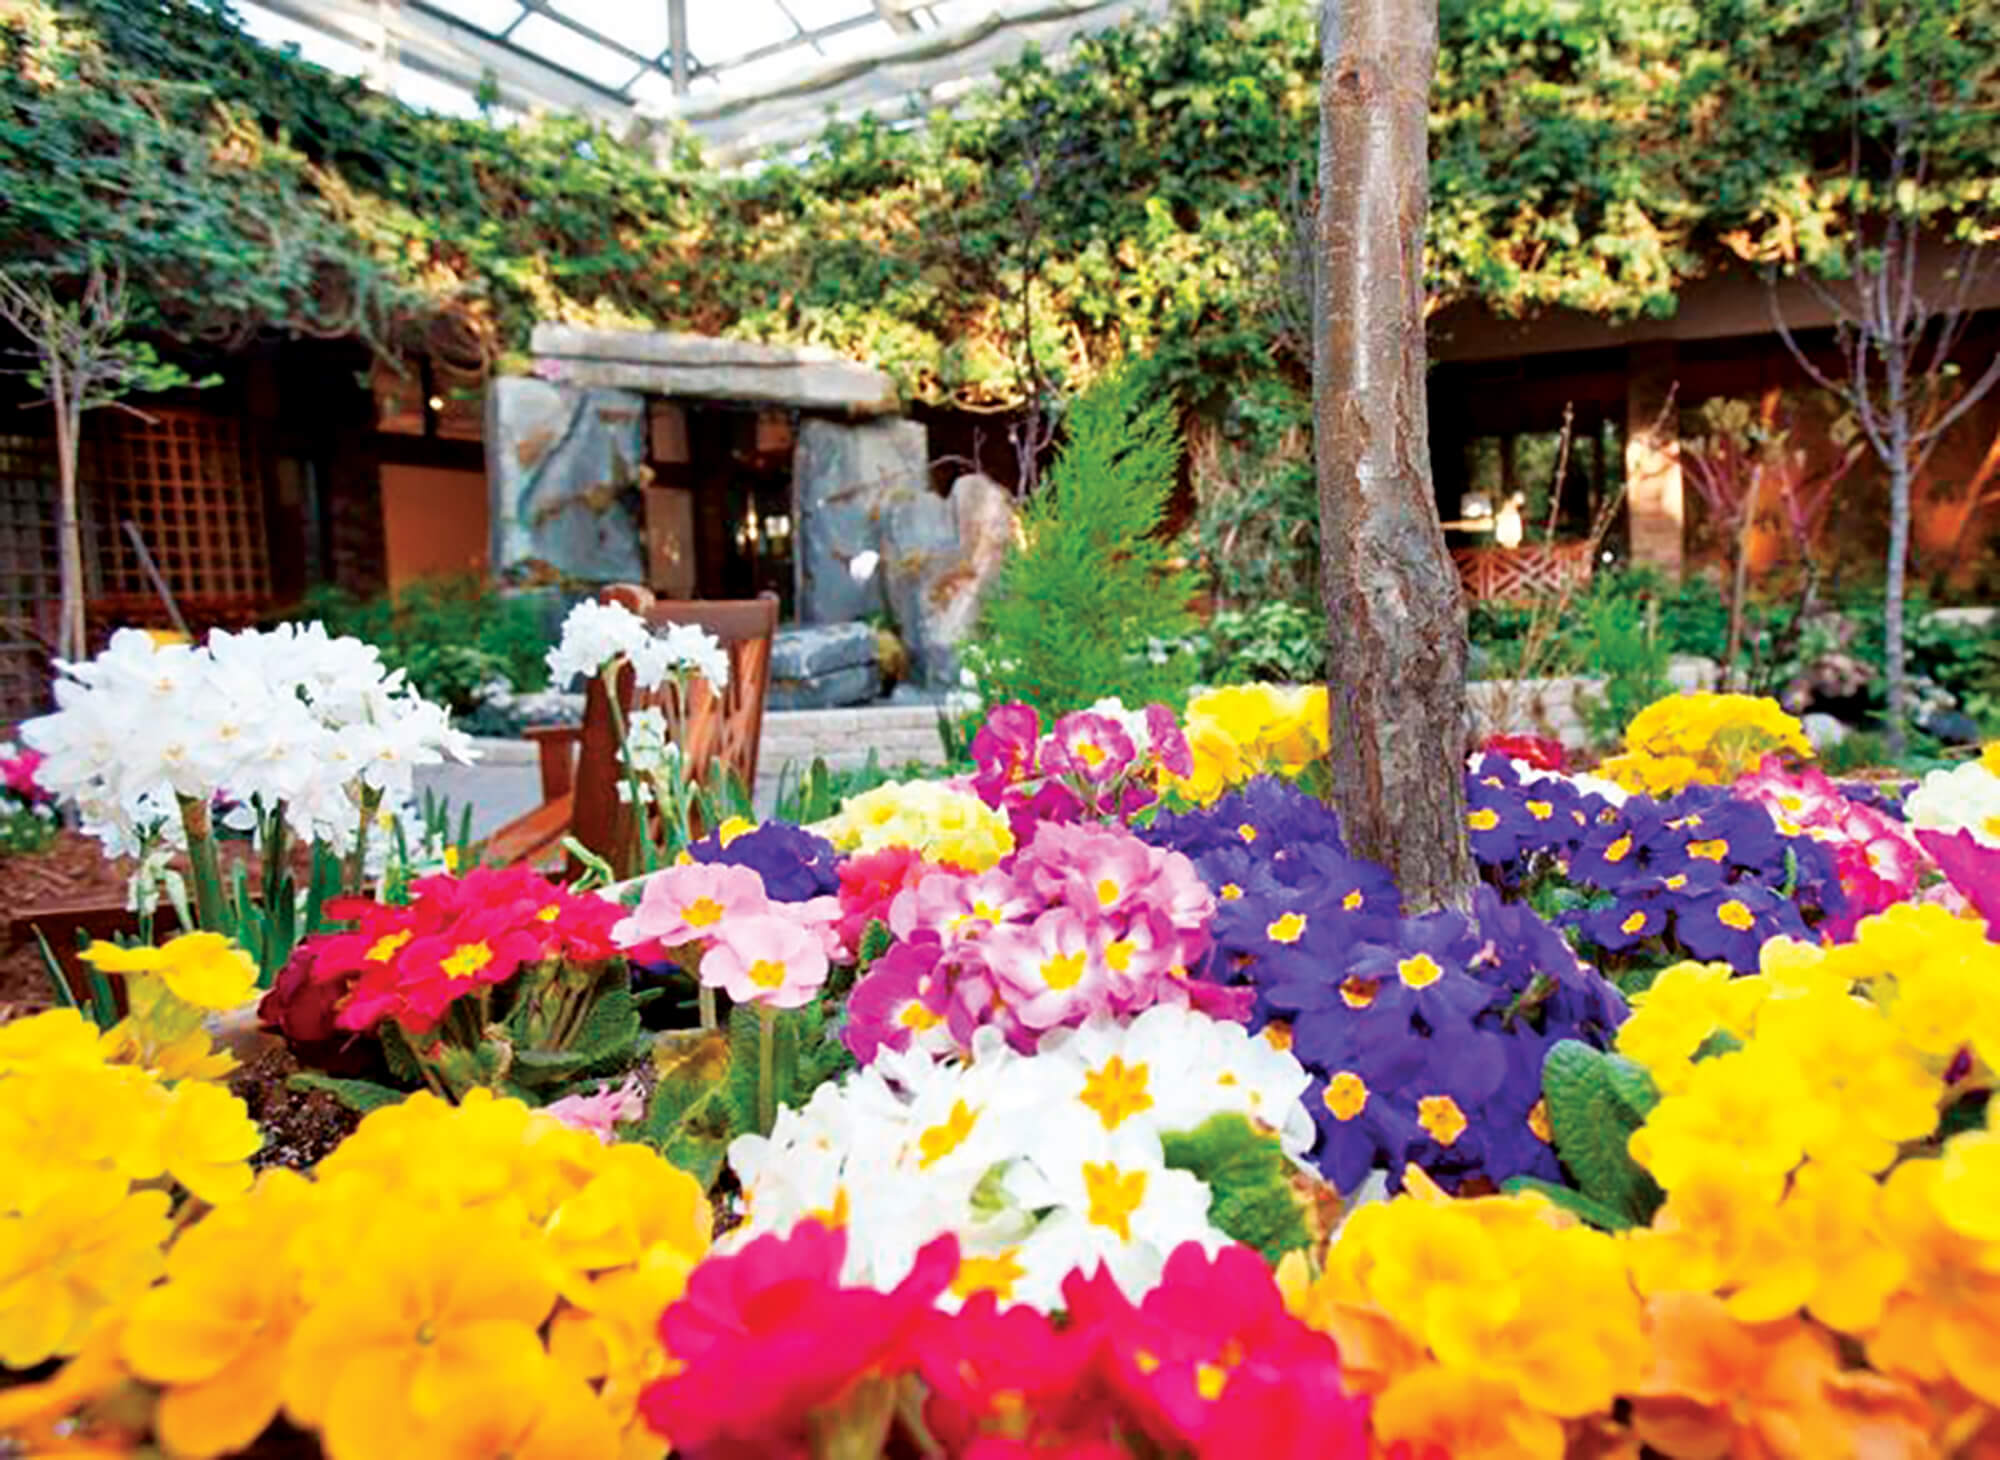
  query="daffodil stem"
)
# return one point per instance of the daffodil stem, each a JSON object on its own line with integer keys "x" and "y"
{"x": 767, "y": 1074}
{"x": 642, "y": 824}
{"x": 205, "y": 864}
{"x": 357, "y": 857}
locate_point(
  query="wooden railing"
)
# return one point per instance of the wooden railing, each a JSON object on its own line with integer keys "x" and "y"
{"x": 1539, "y": 571}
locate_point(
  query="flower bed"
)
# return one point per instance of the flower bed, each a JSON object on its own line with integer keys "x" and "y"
{"x": 1100, "y": 1102}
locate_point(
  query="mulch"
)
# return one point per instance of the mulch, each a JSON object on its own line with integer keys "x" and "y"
{"x": 73, "y": 869}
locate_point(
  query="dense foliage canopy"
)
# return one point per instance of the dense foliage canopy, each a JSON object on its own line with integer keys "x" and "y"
{"x": 1140, "y": 197}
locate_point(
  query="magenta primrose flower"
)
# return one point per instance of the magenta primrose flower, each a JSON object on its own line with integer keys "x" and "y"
{"x": 766, "y": 958}
{"x": 1094, "y": 748}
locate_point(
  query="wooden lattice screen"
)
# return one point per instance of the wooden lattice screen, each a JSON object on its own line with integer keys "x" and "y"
{"x": 29, "y": 576}
{"x": 194, "y": 486}
{"x": 1537, "y": 571}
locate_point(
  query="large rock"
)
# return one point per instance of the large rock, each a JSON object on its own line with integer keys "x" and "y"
{"x": 939, "y": 557}
{"x": 820, "y": 666}
{"x": 699, "y": 367}
{"x": 845, "y": 478}
{"x": 563, "y": 469}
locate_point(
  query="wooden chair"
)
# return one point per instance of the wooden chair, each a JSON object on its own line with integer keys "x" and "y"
{"x": 580, "y": 766}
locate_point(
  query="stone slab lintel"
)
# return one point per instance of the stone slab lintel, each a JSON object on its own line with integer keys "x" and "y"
{"x": 699, "y": 367}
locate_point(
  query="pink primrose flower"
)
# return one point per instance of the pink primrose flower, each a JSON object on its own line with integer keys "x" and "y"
{"x": 602, "y": 1113}
{"x": 766, "y": 958}
{"x": 689, "y": 904}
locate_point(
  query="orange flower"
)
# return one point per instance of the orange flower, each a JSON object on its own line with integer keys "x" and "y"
{"x": 1748, "y": 1391}
{"x": 1945, "y": 1318}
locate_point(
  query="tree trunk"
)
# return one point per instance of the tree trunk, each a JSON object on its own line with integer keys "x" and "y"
{"x": 1899, "y": 555}
{"x": 70, "y": 636}
{"x": 1395, "y": 615}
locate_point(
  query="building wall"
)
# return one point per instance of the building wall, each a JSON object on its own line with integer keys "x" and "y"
{"x": 434, "y": 522}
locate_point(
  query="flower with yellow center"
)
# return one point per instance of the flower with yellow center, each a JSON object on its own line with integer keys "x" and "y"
{"x": 436, "y": 1318}
{"x": 918, "y": 1017}
{"x": 1346, "y": 1095}
{"x": 940, "y": 1140}
{"x": 213, "y": 1336}
{"x": 466, "y": 960}
{"x": 1287, "y": 928}
{"x": 1541, "y": 810}
{"x": 1441, "y": 1117}
{"x": 1713, "y": 850}
{"x": 1419, "y": 971}
{"x": 1117, "y": 1091}
{"x": 1114, "y": 1196}
{"x": 996, "y": 1274}
{"x": 1633, "y": 922}
{"x": 1484, "y": 818}
{"x": 1063, "y": 970}
{"x": 89, "y": 1246}
{"x": 1734, "y": 913}
{"x": 1357, "y": 992}
{"x": 386, "y": 947}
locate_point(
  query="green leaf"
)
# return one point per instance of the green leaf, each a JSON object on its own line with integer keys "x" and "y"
{"x": 739, "y": 1081}
{"x": 1720, "y": 1042}
{"x": 1570, "y": 1200}
{"x": 876, "y": 939}
{"x": 1246, "y": 1169}
{"x": 1595, "y": 1102}
{"x": 360, "y": 1096}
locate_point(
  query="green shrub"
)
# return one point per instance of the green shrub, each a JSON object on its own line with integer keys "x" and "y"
{"x": 450, "y": 635}
{"x": 1092, "y": 603}
{"x": 1627, "y": 651}
{"x": 1280, "y": 642}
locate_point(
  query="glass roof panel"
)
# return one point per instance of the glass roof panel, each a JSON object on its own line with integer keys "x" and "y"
{"x": 492, "y": 16}
{"x": 718, "y": 33}
{"x": 556, "y": 43}
{"x": 637, "y": 25}
{"x": 761, "y": 73}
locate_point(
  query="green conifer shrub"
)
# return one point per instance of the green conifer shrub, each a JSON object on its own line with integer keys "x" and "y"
{"x": 1093, "y": 602}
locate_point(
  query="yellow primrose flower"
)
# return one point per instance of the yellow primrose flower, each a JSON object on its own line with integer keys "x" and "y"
{"x": 1968, "y": 1185}
{"x": 1669, "y": 1021}
{"x": 87, "y": 1247}
{"x": 213, "y": 1336}
{"x": 1507, "y": 1289}
{"x": 202, "y": 969}
{"x": 1710, "y": 739}
{"x": 59, "y": 1121}
{"x": 1754, "y": 1107}
{"x": 1875, "y": 1092}
{"x": 931, "y": 818}
{"x": 52, "y": 1037}
{"x": 207, "y": 1139}
{"x": 635, "y": 1202}
{"x": 435, "y": 1319}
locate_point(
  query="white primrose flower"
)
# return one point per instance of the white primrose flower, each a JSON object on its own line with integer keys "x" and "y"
{"x": 1040, "y": 1164}
{"x": 1964, "y": 798}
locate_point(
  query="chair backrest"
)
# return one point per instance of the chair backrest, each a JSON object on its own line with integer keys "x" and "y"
{"x": 726, "y": 727}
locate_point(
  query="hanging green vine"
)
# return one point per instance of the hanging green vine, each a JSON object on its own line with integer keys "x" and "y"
{"x": 1140, "y": 197}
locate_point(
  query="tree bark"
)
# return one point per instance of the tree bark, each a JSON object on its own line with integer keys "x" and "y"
{"x": 1396, "y": 642}
{"x": 65, "y": 394}
{"x": 1894, "y": 586}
